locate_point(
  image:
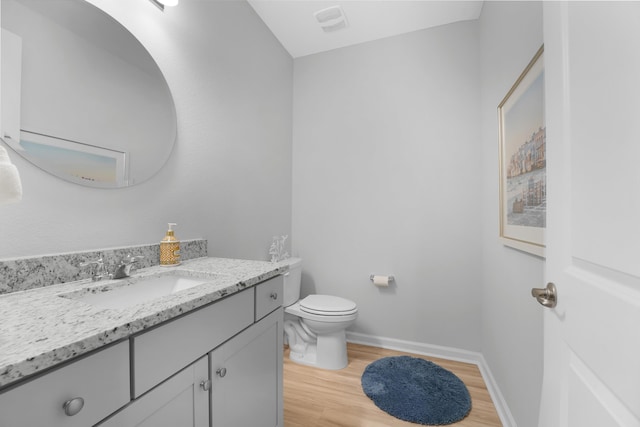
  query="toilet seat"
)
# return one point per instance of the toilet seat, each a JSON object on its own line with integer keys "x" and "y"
{"x": 296, "y": 310}
{"x": 328, "y": 305}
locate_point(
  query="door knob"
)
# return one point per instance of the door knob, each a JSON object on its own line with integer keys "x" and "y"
{"x": 221, "y": 372}
{"x": 548, "y": 296}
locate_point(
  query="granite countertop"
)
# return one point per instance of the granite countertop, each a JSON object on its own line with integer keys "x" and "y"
{"x": 40, "y": 328}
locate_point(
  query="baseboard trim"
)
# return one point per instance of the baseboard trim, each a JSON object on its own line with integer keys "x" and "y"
{"x": 449, "y": 353}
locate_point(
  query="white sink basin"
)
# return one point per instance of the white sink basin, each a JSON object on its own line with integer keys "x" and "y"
{"x": 143, "y": 290}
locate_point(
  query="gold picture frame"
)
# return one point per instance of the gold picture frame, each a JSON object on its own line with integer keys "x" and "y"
{"x": 523, "y": 178}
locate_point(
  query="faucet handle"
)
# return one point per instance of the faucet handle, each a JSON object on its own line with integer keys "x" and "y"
{"x": 133, "y": 262}
{"x": 131, "y": 259}
{"x": 125, "y": 266}
{"x": 97, "y": 262}
{"x": 100, "y": 270}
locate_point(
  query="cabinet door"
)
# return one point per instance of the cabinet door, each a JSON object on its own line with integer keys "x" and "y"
{"x": 180, "y": 401}
{"x": 247, "y": 377}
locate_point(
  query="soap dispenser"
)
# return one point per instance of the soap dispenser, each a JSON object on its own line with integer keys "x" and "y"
{"x": 170, "y": 248}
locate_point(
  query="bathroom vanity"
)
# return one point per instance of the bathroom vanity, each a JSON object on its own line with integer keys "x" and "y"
{"x": 210, "y": 355}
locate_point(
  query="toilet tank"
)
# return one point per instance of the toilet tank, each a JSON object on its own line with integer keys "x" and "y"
{"x": 292, "y": 279}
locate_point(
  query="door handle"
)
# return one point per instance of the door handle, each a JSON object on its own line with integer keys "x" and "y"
{"x": 548, "y": 296}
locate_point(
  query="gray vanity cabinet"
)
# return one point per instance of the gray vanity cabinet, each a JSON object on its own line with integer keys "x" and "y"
{"x": 247, "y": 377}
{"x": 180, "y": 401}
{"x": 239, "y": 381}
{"x": 219, "y": 365}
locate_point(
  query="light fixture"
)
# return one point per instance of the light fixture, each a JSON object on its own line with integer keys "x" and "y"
{"x": 162, "y": 3}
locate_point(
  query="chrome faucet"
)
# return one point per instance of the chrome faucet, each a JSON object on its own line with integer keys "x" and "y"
{"x": 125, "y": 266}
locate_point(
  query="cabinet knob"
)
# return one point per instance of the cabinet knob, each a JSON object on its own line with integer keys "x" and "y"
{"x": 205, "y": 385}
{"x": 273, "y": 296}
{"x": 73, "y": 406}
{"x": 221, "y": 372}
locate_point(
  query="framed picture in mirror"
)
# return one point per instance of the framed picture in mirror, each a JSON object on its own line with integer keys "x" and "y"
{"x": 523, "y": 178}
{"x": 74, "y": 161}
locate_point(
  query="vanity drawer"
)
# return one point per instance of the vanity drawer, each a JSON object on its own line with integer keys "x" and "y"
{"x": 101, "y": 379}
{"x": 165, "y": 350}
{"x": 269, "y": 296}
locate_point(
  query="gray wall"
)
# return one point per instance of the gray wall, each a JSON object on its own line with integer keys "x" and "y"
{"x": 386, "y": 170}
{"x": 229, "y": 177}
{"x": 395, "y": 170}
{"x": 511, "y": 33}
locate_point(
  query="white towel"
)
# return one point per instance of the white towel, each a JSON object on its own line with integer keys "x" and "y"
{"x": 10, "y": 185}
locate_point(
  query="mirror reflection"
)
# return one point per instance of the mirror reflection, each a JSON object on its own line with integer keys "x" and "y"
{"x": 81, "y": 97}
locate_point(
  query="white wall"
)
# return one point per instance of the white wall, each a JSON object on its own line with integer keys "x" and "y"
{"x": 511, "y": 33}
{"x": 386, "y": 172}
{"x": 229, "y": 177}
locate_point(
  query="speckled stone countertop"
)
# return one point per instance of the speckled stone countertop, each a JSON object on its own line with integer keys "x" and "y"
{"x": 40, "y": 328}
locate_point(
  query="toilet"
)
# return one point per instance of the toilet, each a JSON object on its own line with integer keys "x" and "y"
{"x": 315, "y": 325}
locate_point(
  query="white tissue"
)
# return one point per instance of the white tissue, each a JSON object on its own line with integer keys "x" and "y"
{"x": 10, "y": 185}
{"x": 381, "y": 281}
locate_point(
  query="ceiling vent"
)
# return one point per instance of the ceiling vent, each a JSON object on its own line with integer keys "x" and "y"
{"x": 331, "y": 19}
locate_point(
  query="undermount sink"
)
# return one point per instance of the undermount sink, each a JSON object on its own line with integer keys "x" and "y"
{"x": 141, "y": 291}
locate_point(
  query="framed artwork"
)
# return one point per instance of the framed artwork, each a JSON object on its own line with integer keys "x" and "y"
{"x": 523, "y": 178}
{"x": 74, "y": 161}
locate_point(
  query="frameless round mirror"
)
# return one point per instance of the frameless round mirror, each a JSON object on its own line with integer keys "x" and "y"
{"x": 81, "y": 97}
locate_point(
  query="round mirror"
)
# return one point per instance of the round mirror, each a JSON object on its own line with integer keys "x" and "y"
{"x": 81, "y": 97}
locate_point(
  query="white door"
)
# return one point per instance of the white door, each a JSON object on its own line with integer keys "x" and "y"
{"x": 592, "y": 336}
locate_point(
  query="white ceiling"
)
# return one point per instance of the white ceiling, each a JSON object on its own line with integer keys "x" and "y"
{"x": 294, "y": 24}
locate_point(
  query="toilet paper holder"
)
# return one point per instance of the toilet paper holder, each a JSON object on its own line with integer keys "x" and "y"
{"x": 391, "y": 278}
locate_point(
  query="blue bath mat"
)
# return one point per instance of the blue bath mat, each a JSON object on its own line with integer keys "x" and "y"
{"x": 416, "y": 390}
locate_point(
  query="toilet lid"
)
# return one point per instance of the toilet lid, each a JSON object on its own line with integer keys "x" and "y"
{"x": 328, "y": 305}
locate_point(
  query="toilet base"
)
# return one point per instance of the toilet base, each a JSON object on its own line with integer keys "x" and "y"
{"x": 307, "y": 357}
{"x": 328, "y": 352}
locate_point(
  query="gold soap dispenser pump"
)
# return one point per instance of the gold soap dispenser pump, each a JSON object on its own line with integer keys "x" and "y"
{"x": 170, "y": 248}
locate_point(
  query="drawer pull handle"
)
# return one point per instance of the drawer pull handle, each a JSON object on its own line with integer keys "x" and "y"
{"x": 205, "y": 385}
{"x": 274, "y": 296}
{"x": 221, "y": 372}
{"x": 73, "y": 406}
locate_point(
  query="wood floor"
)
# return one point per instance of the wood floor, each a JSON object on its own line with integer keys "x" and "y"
{"x": 320, "y": 398}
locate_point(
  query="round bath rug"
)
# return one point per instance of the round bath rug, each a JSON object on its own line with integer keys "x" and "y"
{"x": 416, "y": 390}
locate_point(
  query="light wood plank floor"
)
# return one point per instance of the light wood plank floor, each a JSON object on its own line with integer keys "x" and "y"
{"x": 320, "y": 398}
